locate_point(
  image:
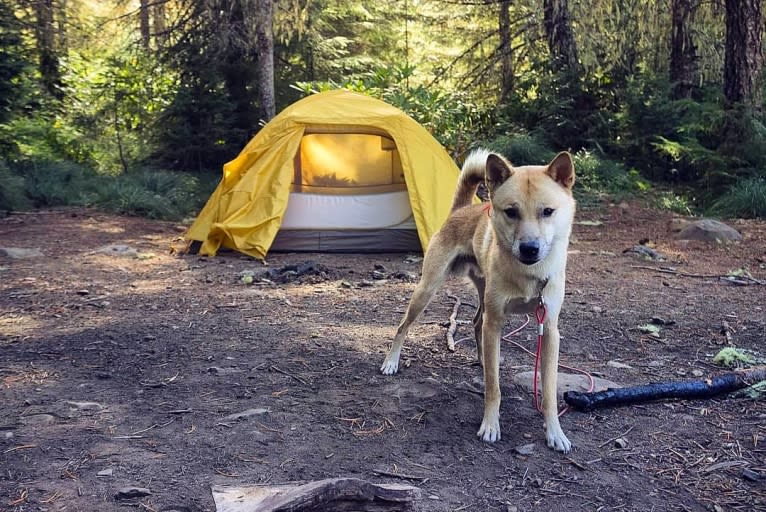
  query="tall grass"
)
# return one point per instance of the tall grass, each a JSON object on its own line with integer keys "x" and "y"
{"x": 156, "y": 194}
{"x": 746, "y": 198}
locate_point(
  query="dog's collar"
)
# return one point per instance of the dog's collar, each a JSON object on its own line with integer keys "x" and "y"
{"x": 543, "y": 284}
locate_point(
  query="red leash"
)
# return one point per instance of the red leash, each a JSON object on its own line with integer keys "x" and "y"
{"x": 541, "y": 312}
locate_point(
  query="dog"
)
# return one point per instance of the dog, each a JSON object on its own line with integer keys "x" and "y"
{"x": 514, "y": 250}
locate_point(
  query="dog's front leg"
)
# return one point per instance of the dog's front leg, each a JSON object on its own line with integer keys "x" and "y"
{"x": 555, "y": 437}
{"x": 490, "y": 339}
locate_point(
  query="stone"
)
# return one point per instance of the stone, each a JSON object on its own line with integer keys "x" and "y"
{"x": 20, "y": 253}
{"x": 619, "y": 365}
{"x": 567, "y": 382}
{"x": 709, "y": 230}
{"x": 120, "y": 250}
{"x": 525, "y": 449}
{"x": 105, "y": 473}
{"x": 246, "y": 415}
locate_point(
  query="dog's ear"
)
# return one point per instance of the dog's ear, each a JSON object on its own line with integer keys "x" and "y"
{"x": 561, "y": 169}
{"x": 498, "y": 170}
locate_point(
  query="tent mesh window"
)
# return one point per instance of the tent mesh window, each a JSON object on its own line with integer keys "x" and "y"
{"x": 347, "y": 163}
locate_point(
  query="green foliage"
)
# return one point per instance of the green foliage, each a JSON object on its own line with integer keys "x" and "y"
{"x": 522, "y": 149}
{"x": 732, "y": 357}
{"x": 746, "y": 198}
{"x": 451, "y": 117}
{"x": 12, "y": 193}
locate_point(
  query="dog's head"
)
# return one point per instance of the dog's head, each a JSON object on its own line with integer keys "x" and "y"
{"x": 533, "y": 205}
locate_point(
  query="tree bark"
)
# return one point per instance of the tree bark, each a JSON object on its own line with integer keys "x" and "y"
{"x": 743, "y": 59}
{"x": 558, "y": 32}
{"x": 158, "y": 22}
{"x": 506, "y": 60}
{"x": 143, "y": 18}
{"x": 264, "y": 48}
{"x": 683, "y": 52}
{"x": 50, "y": 72}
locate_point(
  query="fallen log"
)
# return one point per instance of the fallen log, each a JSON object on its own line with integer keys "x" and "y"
{"x": 330, "y": 495}
{"x": 684, "y": 390}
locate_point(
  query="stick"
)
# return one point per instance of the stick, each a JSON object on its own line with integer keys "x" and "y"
{"x": 690, "y": 389}
{"x": 453, "y": 323}
{"x": 702, "y": 276}
{"x": 274, "y": 368}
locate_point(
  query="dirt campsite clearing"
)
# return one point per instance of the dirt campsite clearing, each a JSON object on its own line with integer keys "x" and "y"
{"x": 134, "y": 377}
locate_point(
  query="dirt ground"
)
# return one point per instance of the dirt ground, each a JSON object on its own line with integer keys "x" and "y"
{"x": 125, "y": 370}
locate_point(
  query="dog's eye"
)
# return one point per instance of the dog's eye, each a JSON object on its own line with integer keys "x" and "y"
{"x": 547, "y": 212}
{"x": 512, "y": 213}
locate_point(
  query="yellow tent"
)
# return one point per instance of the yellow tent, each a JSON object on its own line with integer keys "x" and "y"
{"x": 336, "y": 162}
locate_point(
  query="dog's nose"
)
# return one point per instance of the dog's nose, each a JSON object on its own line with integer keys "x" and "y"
{"x": 529, "y": 250}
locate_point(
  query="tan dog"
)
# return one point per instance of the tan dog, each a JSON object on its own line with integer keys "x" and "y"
{"x": 515, "y": 252}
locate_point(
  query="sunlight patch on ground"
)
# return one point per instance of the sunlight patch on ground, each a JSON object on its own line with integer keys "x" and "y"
{"x": 18, "y": 325}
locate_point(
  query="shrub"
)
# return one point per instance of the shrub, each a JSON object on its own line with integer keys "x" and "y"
{"x": 12, "y": 193}
{"x": 746, "y": 198}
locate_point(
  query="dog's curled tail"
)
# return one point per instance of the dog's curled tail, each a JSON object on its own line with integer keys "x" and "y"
{"x": 471, "y": 176}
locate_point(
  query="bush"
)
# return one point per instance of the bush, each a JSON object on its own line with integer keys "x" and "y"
{"x": 746, "y": 198}
{"x": 522, "y": 149}
{"x": 12, "y": 193}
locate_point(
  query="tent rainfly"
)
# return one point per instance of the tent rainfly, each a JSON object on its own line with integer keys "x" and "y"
{"x": 336, "y": 171}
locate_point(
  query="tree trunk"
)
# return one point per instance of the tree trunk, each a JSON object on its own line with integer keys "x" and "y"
{"x": 506, "y": 60}
{"x": 158, "y": 21}
{"x": 143, "y": 18}
{"x": 683, "y": 53}
{"x": 264, "y": 49}
{"x": 50, "y": 74}
{"x": 743, "y": 60}
{"x": 558, "y": 32}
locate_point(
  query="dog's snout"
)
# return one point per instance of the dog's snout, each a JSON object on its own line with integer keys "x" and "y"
{"x": 529, "y": 251}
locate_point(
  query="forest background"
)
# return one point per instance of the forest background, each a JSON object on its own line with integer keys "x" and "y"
{"x": 134, "y": 105}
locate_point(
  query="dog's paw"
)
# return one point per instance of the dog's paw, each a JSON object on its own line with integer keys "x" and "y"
{"x": 489, "y": 431}
{"x": 558, "y": 441}
{"x": 389, "y": 367}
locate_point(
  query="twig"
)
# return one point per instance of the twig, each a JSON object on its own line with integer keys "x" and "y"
{"x": 732, "y": 279}
{"x": 381, "y": 472}
{"x": 676, "y": 272}
{"x": 23, "y": 447}
{"x": 453, "y": 323}
{"x": 616, "y": 438}
{"x": 274, "y": 368}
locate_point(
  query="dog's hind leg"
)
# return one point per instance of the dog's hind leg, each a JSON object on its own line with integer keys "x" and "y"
{"x": 478, "y": 281}
{"x": 435, "y": 272}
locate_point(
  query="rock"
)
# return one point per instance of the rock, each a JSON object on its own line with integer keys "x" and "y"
{"x": 105, "y": 473}
{"x": 38, "y": 420}
{"x": 405, "y": 276}
{"x": 120, "y": 250}
{"x": 644, "y": 252}
{"x": 567, "y": 382}
{"x": 621, "y": 443}
{"x": 709, "y": 230}
{"x": 85, "y": 406}
{"x": 525, "y": 449}
{"x": 245, "y": 415}
{"x": 19, "y": 253}
{"x": 619, "y": 365}
{"x": 377, "y": 274}
{"x": 131, "y": 493}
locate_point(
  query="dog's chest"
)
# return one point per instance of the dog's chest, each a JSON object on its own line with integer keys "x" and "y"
{"x": 521, "y": 305}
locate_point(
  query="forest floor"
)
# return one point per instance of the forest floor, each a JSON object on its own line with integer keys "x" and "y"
{"x": 165, "y": 372}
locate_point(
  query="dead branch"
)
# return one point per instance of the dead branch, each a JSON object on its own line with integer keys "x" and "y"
{"x": 338, "y": 494}
{"x": 453, "y": 323}
{"x": 685, "y": 390}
